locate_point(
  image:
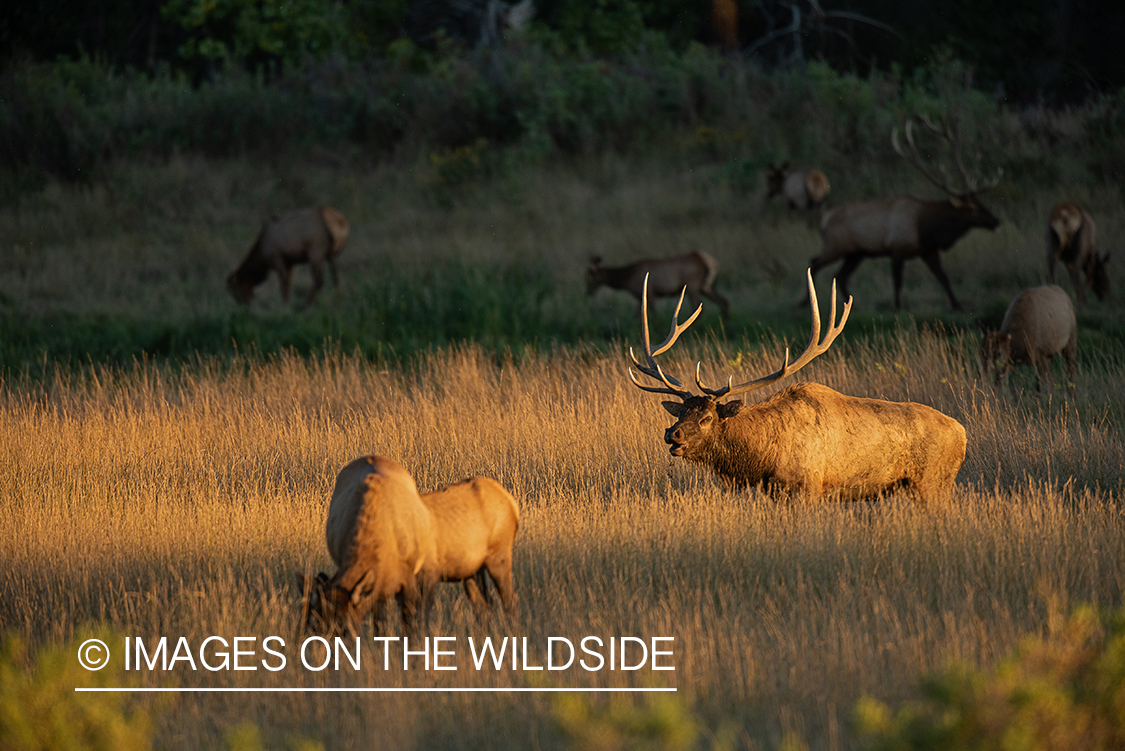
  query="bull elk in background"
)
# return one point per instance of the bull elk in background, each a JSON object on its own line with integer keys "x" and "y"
{"x": 806, "y": 440}
{"x": 801, "y": 187}
{"x": 695, "y": 273}
{"x": 1072, "y": 238}
{"x": 905, "y": 227}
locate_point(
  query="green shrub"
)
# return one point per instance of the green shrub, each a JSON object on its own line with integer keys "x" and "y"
{"x": 39, "y": 708}
{"x": 1064, "y": 691}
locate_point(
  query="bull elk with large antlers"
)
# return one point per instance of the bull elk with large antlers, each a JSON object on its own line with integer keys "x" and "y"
{"x": 905, "y": 227}
{"x": 808, "y": 439}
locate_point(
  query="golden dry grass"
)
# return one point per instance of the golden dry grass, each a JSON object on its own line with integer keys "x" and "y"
{"x": 179, "y": 501}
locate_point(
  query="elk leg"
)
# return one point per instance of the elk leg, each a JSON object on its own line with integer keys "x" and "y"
{"x": 284, "y": 273}
{"x": 722, "y": 302}
{"x": 410, "y": 598}
{"x": 1079, "y": 288}
{"x": 897, "y": 266}
{"x": 1069, "y": 354}
{"x": 318, "y": 282}
{"x": 933, "y": 261}
{"x": 1042, "y": 373}
{"x": 335, "y": 276}
{"x": 500, "y": 569}
{"x": 845, "y": 273}
{"x": 477, "y": 594}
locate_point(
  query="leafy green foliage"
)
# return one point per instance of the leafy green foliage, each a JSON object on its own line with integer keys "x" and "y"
{"x": 40, "y": 710}
{"x": 245, "y": 30}
{"x": 1064, "y": 691}
{"x": 659, "y": 721}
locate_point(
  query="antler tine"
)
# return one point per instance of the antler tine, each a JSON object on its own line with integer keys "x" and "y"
{"x": 815, "y": 348}
{"x": 652, "y": 370}
{"x": 915, "y": 158}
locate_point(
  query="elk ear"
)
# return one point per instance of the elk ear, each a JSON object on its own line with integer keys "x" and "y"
{"x": 673, "y": 408}
{"x": 730, "y": 409}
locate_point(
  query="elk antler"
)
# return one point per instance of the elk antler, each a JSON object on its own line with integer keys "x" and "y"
{"x": 814, "y": 349}
{"x": 972, "y": 185}
{"x": 671, "y": 385}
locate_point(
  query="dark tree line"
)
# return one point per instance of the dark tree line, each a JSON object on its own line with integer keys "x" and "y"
{"x": 1058, "y": 50}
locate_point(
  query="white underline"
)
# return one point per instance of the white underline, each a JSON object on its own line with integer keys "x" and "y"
{"x": 373, "y": 690}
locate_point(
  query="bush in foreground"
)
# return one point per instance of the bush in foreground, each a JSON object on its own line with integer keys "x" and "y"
{"x": 1062, "y": 691}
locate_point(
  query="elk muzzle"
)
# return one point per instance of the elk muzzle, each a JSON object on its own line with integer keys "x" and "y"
{"x": 674, "y": 437}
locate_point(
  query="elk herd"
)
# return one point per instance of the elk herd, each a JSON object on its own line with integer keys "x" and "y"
{"x": 807, "y": 441}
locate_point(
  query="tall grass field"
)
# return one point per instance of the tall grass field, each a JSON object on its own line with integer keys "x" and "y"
{"x": 166, "y": 457}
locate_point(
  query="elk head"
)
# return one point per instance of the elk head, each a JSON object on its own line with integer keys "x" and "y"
{"x": 966, "y": 200}
{"x": 325, "y": 607}
{"x": 700, "y": 418}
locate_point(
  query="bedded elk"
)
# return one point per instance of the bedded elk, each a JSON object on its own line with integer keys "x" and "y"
{"x": 801, "y": 187}
{"x": 695, "y": 272}
{"x": 381, "y": 538}
{"x": 905, "y": 227}
{"x": 807, "y": 440}
{"x": 1072, "y": 238}
{"x": 475, "y": 523}
{"x": 314, "y": 236}
{"x": 1038, "y": 325}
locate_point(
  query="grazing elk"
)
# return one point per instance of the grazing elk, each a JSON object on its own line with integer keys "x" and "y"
{"x": 1039, "y": 324}
{"x": 475, "y": 523}
{"x": 807, "y": 440}
{"x": 694, "y": 272}
{"x": 802, "y": 187}
{"x": 905, "y": 227}
{"x": 1072, "y": 238}
{"x": 381, "y": 538}
{"x": 313, "y": 236}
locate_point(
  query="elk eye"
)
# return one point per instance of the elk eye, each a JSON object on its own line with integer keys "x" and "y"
{"x": 706, "y": 420}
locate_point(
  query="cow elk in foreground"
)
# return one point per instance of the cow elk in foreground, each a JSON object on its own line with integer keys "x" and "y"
{"x": 381, "y": 539}
{"x": 905, "y": 227}
{"x": 694, "y": 272}
{"x": 313, "y": 236}
{"x": 1039, "y": 324}
{"x": 801, "y": 187}
{"x": 807, "y": 440}
{"x": 475, "y": 523}
{"x": 1072, "y": 238}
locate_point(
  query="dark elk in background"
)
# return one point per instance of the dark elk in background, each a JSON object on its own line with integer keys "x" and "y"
{"x": 314, "y": 236}
{"x": 473, "y": 22}
{"x": 1072, "y": 238}
{"x": 801, "y": 187}
{"x": 693, "y": 274}
{"x": 906, "y": 227}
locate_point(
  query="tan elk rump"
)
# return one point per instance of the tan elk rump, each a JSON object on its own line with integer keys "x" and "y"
{"x": 801, "y": 187}
{"x": 1038, "y": 325}
{"x": 807, "y": 440}
{"x": 381, "y": 538}
{"x": 905, "y": 227}
{"x": 313, "y": 236}
{"x": 475, "y": 523}
{"x": 695, "y": 271}
{"x": 1072, "y": 238}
